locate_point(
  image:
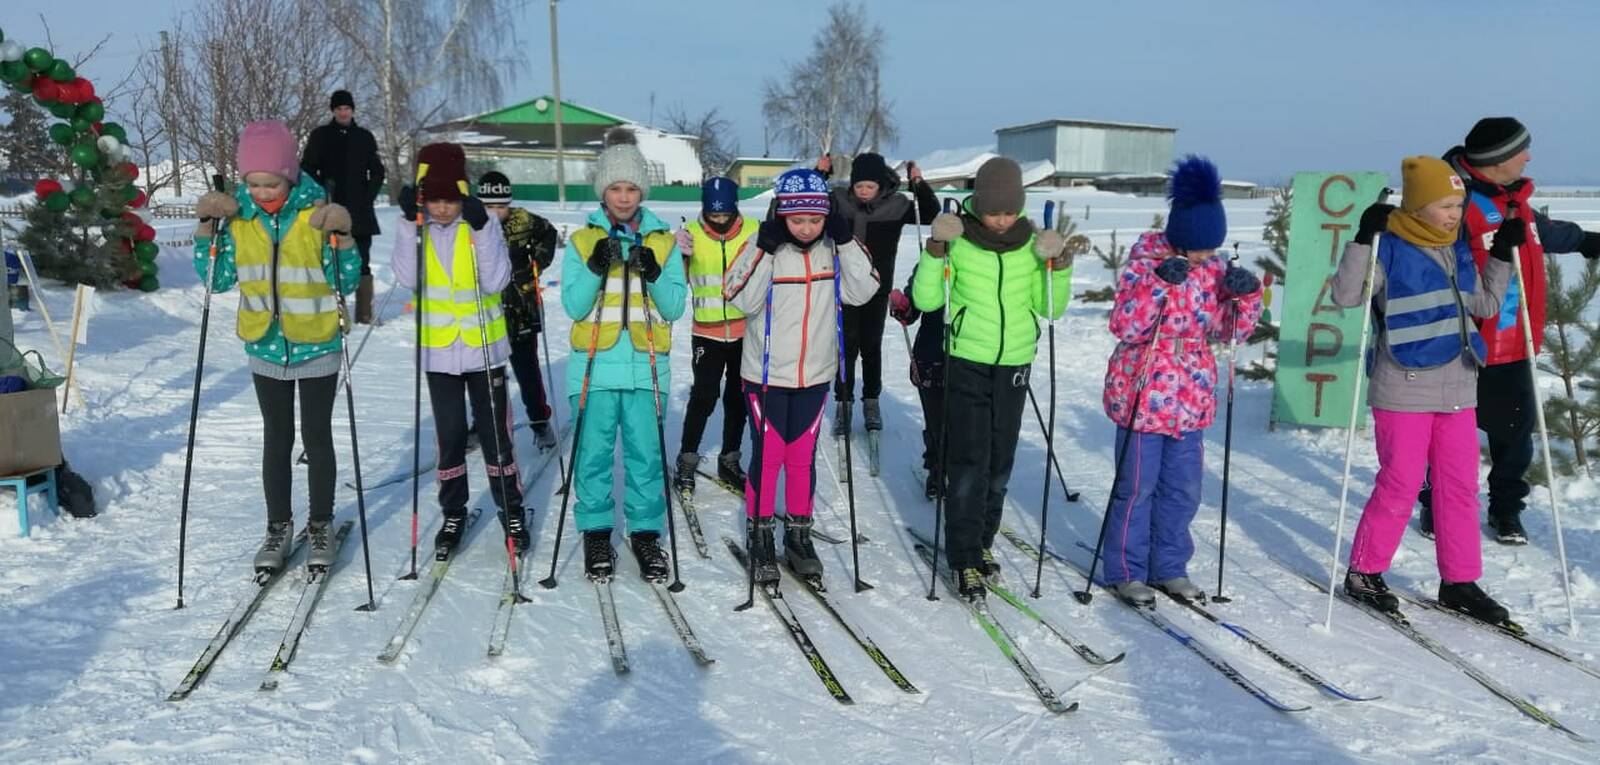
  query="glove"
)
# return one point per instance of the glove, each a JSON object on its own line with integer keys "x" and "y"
{"x": 606, "y": 251}
{"x": 947, "y": 227}
{"x": 825, "y": 165}
{"x": 1590, "y": 246}
{"x": 685, "y": 242}
{"x": 408, "y": 202}
{"x": 1048, "y": 244}
{"x": 1174, "y": 269}
{"x": 1512, "y": 233}
{"x": 643, "y": 260}
{"x": 474, "y": 213}
{"x": 839, "y": 229}
{"x": 900, "y": 307}
{"x": 1239, "y": 282}
{"x": 215, "y": 205}
{"x": 771, "y": 234}
{"x": 1373, "y": 220}
{"x": 331, "y": 217}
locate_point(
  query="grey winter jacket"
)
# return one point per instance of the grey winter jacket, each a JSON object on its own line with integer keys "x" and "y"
{"x": 804, "y": 335}
{"x": 1447, "y": 388}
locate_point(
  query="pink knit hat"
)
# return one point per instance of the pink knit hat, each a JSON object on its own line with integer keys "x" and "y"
{"x": 268, "y": 147}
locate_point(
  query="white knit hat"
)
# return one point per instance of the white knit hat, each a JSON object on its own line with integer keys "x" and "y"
{"x": 619, "y": 161}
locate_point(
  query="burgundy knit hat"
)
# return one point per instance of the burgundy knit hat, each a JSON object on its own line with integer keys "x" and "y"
{"x": 444, "y": 171}
{"x": 268, "y": 147}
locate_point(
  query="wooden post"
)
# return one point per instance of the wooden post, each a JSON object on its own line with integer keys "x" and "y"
{"x": 44, "y": 310}
{"x": 72, "y": 346}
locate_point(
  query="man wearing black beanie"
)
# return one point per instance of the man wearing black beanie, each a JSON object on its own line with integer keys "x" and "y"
{"x": 1491, "y": 162}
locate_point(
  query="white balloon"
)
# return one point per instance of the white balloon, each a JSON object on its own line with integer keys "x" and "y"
{"x": 67, "y": 185}
{"x": 109, "y": 144}
{"x": 11, "y": 50}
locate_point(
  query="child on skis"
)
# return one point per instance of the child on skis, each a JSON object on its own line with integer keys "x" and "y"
{"x": 277, "y": 223}
{"x": 998, "y": 267}
{"x": 1423, "y": 368}
{"x": 876, "y": 212}
{"x": 805, "y": 268}
{"x": 622, "y": 283}
{"x": 1174, "y": 296}
{"x": 465, "y": 266}
{"x": 531, "y": 241}
{"x": 927, "y": 374}
{"x": 709, "y": 245}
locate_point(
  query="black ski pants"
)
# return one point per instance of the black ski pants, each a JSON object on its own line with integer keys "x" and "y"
{"x": 530, "y": 380}
{"x": 276, "y": 398}
{"x": 929, "y": 380}
{"x": 863, "y": 339}
{"x": 1506, "y": 415}
{"x": 449, "y": 394}
{"x": 985, "y": 409}
{"x": 716, "y": 365}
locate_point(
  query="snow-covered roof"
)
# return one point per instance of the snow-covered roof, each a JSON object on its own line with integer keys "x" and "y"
{"x": 679, "y": 160}
{"x": 1086, "y": 123}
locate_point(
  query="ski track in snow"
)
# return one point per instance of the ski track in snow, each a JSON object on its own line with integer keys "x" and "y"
{"x": 92, "y": 644}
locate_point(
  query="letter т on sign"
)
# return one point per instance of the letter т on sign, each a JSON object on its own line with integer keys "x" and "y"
{"x": 1317, "y": 339}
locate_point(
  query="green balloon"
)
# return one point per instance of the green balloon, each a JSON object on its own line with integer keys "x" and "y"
{"x": 115, "y": 131}
{"x": 81, "y": 125}
{"x": 38, "y": 59}
{"x": 61, "y": 109}
{"x": 129, "y": 192}
{"x": 85, "y": 156}
{"x": 94, "y": 111}
{"x": 61, "y": 71}
{"x": 83, "y": 196}
{"x": 148, "y": 268}
{"x": 57, "y": 202}
{"x": 13, "y": 72}
{"x": 149, "y": 284}
{"x": 146, "y": 250}
{"x": 62, "y": 133}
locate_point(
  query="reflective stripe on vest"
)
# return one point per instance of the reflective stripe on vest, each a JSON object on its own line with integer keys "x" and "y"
{"x": 450, "y": 307}
{"x": 708, "y": 265}
{"x": 285, "y": 281}
{"x": 1424, "y": 321}
{"x": 611, "y": 307}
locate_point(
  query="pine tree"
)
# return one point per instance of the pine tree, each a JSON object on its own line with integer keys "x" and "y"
{"x": 79, "y": 244}
{"x": 1114, "y": 257}
{"x": 1276, "y": 234}
{"x": 1573, "y": 349}
{"x": 24, "y": 141}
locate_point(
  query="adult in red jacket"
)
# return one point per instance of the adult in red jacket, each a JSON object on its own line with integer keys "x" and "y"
{"x": 1491, "y": 162}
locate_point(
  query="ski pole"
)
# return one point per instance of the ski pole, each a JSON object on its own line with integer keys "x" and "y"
{"x": 944, "y": 432}
{"x": 504, "y": 454}
{"x": 194, "y": 402}
{"x": 1544, "y": 432}
{"x": 549, "y": 378}
{"x": 549, "y": 582}
{"x": 416, "y": 413}
{"x": 757, "y": 466}
{"x": 378, "y": 317}
{"x": 1050, "y": 432}
{"x": 1038, "y": 415}
{"x": 646, "y": 307}
{"x": 1355, "y": 409}
{"x": 849, "y": 471}
{"x": 1086, "y": 595}
{"x": 1227, "y": 438}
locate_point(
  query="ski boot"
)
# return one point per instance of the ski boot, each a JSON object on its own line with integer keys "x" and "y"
{"x": 1470, "y": 599}
{"x": 991, "y": 566}
{"x": 730, "y": 471}
{"x": 969, "y": 584}
{"x": 1182, "y": 589}
{"x": 1425, "y": 513}
{"x": 599, "y": 559}
{"x": 841, "y": 418}
{"x": 683, "y": 480}
{"x": 798, "y": 550}
{"x": 873, "y": 420}
{"x": 275, "y": 547}
{"x": 544, "y": 436}
{"x": 1136, "y": 594}
{"x": 1508, "y": 529}
{"x": 449, "y": 536}
{"x": 1371, "y": 590}
{"x": 653, "y": 565}
{"x": 763, "y": 555}
{"x": 319, "y": 537}
{"x": 515, "y": 524}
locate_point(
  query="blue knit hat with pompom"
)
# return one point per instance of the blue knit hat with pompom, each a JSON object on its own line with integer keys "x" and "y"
{"x": 1197, "y": 220}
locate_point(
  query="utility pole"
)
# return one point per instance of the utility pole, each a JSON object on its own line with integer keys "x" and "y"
{"x": 555, "y": 75}
{"x": 169, "y": 75}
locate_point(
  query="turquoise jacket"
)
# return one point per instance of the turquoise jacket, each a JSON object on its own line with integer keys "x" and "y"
{"x": 620, "y": 367}
{"x": 273, "y": 347}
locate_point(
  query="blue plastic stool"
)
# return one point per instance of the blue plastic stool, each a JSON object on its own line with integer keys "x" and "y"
{"x": 19, "y": 483}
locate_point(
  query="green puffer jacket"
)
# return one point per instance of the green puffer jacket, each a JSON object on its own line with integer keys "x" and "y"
{"x": 996, "y": 299}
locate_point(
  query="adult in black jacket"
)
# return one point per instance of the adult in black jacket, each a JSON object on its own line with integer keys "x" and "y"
{"x": 344, "y": 155}
{"x": 877, "y": 213}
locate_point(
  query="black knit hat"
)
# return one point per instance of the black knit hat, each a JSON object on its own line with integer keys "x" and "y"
{"x": 494, "y": 188}
{"x": 869, "y": 167}
{"x": 1496, "y": 139}
{"x": 341, "y": 98}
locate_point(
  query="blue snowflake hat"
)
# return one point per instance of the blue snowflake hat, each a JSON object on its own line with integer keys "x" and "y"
{"x": 802, "y": 192}
{"x": 719, "y": 195}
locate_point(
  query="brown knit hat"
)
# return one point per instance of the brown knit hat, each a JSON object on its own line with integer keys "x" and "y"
{"x": 443, "y": 167}
{"x": 998, "y": 187}
{"x": 1426, "y": 180}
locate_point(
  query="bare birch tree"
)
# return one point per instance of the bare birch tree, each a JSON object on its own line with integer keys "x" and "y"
{"x": 715, "y": 133}
{"x": 834, "y": 93}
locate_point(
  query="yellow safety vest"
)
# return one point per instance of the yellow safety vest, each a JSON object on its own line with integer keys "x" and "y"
{"x": 283, "y": 281}
{"x": 450, "y": 306}
{"x": 611, "y": 302}
{"x": 707, "y": 267}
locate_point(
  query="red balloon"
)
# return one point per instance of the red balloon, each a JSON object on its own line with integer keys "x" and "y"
{"x": 45, "y": 187}
{"x": 65, "y": 93}
{"x": 46, "y": 89}
{"x": 131, "y": 170}
{"x": 86, "y": 88}
{"x": 144, "y": 233}
{"x": 139, "y": 199}
{"x": 124, "y": 246}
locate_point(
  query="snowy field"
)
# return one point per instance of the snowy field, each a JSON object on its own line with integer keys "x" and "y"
{"x": 90, "y": 644}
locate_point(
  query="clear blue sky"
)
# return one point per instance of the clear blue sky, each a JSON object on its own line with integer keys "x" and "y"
{"x": 1265, "y": 87}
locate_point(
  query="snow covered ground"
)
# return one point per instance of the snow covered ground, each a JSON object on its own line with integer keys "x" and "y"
{"x": 91, "y": 645}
